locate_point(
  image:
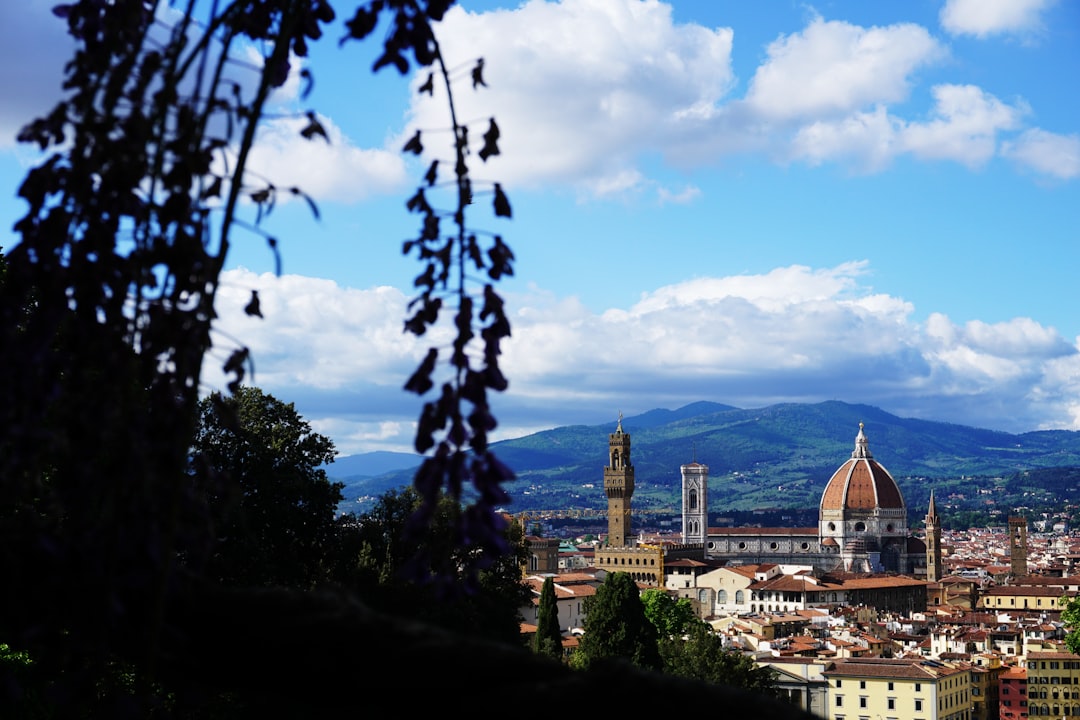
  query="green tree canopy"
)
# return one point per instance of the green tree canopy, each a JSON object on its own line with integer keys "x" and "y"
{"x": 616, "y": 626}
{"x": 702, "y": 656}
{"x": 548, "y": 638}
{"x": 1070, "y": 617}
{"x": 272, "y": 503}
{"x": 671, "y": 616}
{"x": 401, "y": 572}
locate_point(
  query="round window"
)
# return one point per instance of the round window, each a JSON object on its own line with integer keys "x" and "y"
{"x": 742, "y": 546}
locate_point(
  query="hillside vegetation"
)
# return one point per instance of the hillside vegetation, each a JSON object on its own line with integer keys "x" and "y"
{"x": 780, "y": 456}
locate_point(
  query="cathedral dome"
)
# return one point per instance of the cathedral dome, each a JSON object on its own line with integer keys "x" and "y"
{"x": 861, "y": 484}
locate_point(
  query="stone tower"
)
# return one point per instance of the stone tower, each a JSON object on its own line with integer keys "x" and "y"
{"x": 695, "y": 503}
{"x": 618, "y": 486}
{"x": 933, "y": 542}
{"x": 1018, "y": 546}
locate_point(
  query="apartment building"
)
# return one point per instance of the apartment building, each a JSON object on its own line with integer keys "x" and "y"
{"x": 1053, "y": 684}
{"x": 898, "y": 689}
{"x": 1012, "y": 694}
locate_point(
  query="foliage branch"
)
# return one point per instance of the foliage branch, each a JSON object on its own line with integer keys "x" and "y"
{"x": 453, "y": 427}
{"x": 108, "y": 300}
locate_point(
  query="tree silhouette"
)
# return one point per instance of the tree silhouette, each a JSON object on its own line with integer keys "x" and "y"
{"x": 616, "y": 627}
{"x": 107, "y": 309}
{"x": 702, "y": 656}
{"x": 548, "y": 638}
{"x": 273, "y": 507}
{"x": 377, "y": 563}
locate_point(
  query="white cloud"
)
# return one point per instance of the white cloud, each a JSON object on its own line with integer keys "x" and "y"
{"x": 326, "y": 169}
{"x": 868, "y": 140}
{"x": 834, "y": 68}
{"x": 1057, "y": 156}
{"x": 965, "y": 127}
{"x": 794, "y": 334}
{"x": 983, "y": 18}
{"x": 584, "y": 88}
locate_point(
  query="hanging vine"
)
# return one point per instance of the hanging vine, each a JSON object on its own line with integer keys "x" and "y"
{"x": 453, "y": 428}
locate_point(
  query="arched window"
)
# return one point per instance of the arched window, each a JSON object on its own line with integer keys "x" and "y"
{"x": 693, "y": 499}
{"x": 740, "y": 597}
{"x": 721, "y": 597}
{"x": 703, "y": 596}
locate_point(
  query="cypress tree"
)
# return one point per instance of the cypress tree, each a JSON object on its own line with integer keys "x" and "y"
{"x": 548, "y": 639}
{"x": 616, "y": 626}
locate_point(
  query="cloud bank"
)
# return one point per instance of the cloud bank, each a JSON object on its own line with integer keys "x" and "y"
{"x": 591, "y": 93}
{"x": 795, "y": 334}
{"x": 591, "y": 89}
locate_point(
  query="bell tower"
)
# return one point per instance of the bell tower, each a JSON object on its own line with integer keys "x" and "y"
{"x": 695, "y": 502}
{"x": 618, "y": 486}
{"x": 933, "y": 542}
{"x": 1018, "y": 546}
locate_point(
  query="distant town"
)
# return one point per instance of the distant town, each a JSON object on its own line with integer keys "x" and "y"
{"x": 860, "y": 616}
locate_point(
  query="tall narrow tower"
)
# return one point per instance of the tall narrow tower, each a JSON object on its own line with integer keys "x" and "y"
{"x": 618, "y": 486}
{"x": 695, "y": 503}
{"x": 1018, "y": 546}
{"x": 933, "y": 542}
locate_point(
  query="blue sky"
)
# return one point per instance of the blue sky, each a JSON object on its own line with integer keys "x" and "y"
{"x": 747, "y": 203}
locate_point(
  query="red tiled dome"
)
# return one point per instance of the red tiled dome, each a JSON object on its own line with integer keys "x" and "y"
{"x": 861, "y": 483}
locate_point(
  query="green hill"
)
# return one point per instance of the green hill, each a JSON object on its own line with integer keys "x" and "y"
{"x": 779, "y": 456}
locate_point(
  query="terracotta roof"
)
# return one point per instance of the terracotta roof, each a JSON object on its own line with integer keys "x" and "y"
{"x": 891, "y": 668}
{"x": 1037, "y": 655}
{"x": 861, "y": 483}
{"x": 1028, "y": 591}
{"x": 763, "y": 531}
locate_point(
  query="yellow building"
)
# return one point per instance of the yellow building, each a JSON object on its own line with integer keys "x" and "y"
{"x": 898, "y": 689}
{"x": 985, "y": 685}
{"x": 1022, "y": 597}
{"x": 1053, "y": 684}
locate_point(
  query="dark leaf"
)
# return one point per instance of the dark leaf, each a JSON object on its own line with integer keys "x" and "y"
{"x": 502, "y": 204}
{"x": 252, "y": 308}
{"x": 418, "y": 203}
{"x": 414, "y": 145}
{"x": 361, "y": 25}
{"x": 420, "y": 381}
{"x": 214, "y": 189}
{"x": 428, "y": 86}
{"x": 313, "y": 128}
{"x": 309, "y": 83}
{"x": 431, "y": 174}
{"x": 478, "y": 73}
{"x": 235, "y": 364}
{"x": 273, "y": 243}
{"x": 491, "y": 142}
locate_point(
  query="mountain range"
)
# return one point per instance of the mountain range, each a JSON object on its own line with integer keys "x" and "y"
{"x": 780, "y": 456}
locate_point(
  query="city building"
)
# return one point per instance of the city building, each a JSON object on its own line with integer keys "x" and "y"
{"x": 643, "y": 561}
{"x": 898, "y": 688}
{"x": 1012, "y": 693}
{"x": 1053, "y": 684}
{"x": 862, "y": 527}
